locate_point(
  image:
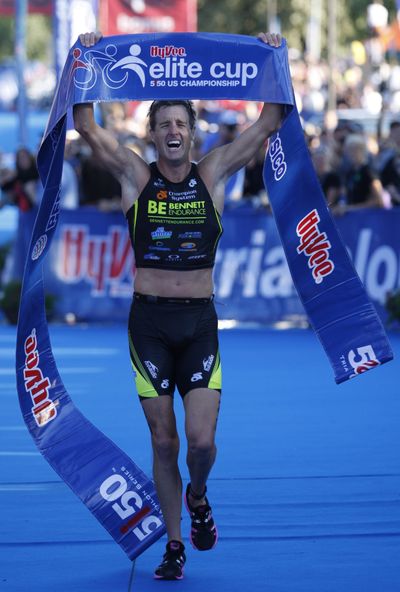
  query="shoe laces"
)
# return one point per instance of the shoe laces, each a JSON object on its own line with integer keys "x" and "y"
{"x": 201, "y": 514}
{"x": 174, "y": 552}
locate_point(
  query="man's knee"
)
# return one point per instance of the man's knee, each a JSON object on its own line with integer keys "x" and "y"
{"x": 201, "y": 446}
{"x": 165, "y": 446}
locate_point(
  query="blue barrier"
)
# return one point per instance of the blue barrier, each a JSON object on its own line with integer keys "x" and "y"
{"x": 90, "y": 268}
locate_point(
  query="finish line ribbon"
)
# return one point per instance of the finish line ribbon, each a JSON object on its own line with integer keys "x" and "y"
{"x": 182, "y": 66}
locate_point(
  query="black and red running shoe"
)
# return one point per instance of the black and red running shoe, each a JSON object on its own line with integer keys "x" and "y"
{"x": 174, "y": 558}
{"x": 204, "y": 533}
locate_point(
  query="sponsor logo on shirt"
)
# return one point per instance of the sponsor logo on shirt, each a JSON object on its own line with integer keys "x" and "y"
{"x": 160, "y": 233}
{"x": 188, "y": 247}
{"x": 193, "y": 209}
{"x": 191, "y": 235}
{"x": 197, "y": 256}
{"x": 152, "y": 257}
{"x": 182, "y": 195}
{"x": 158, "y": 248}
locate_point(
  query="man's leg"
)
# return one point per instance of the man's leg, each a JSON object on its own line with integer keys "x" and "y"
{"x": 201, "y": 406}
{"x": 201, "y": 409}
{"x": 165, "y": 441}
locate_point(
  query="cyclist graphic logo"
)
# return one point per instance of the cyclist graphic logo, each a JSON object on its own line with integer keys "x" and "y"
{"x": 133, "y": 62}
{"x": 87, "y": 66}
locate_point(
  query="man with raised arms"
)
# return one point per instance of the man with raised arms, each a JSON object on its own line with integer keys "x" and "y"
{"x": 173, "y": 324}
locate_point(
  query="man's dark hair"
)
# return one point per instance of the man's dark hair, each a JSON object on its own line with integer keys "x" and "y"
{"x": 157, "y": 105}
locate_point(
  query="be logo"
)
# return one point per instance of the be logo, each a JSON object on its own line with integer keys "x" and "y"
{"x": 162, "y": 194}
{"x": 156, "y": 207}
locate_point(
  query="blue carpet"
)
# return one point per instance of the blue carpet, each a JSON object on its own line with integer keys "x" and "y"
{"x": 305, "y": 489}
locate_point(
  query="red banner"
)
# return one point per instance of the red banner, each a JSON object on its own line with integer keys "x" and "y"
{"x": 125, "y": 17}
{"x": 7, "y": 7}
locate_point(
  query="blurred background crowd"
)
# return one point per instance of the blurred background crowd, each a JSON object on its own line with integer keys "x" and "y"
{"x": 357, "y": 161}
{"x": 350, "y": 109}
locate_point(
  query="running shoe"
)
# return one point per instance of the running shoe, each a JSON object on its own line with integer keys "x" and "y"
{"x": 203, "y": 533}
{"x": 174, "y": 558}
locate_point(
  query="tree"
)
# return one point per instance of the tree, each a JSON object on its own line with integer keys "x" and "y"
{"x": 248, "y": 17}
{"x": 6, "y": 37}
{"x": 38, "y": 37}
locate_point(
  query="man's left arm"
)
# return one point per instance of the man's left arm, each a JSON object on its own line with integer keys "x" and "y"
{"x": 238, "y": 153}
{"x": 226, "y": 160}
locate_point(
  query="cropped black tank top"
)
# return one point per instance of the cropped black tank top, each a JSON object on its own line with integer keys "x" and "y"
{"x": 174, "y": 225}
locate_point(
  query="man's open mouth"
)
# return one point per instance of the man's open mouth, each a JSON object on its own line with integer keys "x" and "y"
{"x": 174, "y": 144}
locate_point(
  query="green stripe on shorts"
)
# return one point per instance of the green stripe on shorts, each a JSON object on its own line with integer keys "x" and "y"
{"x": 143, "y": 383}
{"x": 216, "y": 376}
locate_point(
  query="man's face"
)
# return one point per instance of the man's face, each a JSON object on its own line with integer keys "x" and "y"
{"x": 172, "y": 135}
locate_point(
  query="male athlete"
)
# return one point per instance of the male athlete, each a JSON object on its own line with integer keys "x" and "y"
{"x": 175, "y": 225}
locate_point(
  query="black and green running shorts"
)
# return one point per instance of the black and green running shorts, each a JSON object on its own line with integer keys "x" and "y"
{"x": 173, "y": 343}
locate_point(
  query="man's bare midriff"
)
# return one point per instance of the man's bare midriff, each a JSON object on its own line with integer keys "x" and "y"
{"x": 184, "y": 284}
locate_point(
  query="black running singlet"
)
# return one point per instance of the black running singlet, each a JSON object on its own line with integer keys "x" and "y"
{"x": 174, "y": 225}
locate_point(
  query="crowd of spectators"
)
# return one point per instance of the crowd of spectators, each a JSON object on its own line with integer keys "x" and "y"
{"x": 355, "y": 170}
{"x": 357, "y": 163}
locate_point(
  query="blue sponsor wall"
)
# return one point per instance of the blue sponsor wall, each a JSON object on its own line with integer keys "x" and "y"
{"x": 90, "y": 267}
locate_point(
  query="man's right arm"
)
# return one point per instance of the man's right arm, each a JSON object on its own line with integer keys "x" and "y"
{"x": 104, "y": 144}
{"x": 116, "y": 158}
{"x": 127, "y": 166}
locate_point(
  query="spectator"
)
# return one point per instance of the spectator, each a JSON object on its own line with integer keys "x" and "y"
{"x": 339, "y": 135}
{"x": 390, "y": 146}
{"x": 99, "y": 187}
{"x": 329, "y": 179}
{"x": 253, "y": 187}
{"x": 19, "y": 187}
{"x": 229, "y": 129}
{"x": 390, "y": 178}
{"x": 362, "y": 184}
